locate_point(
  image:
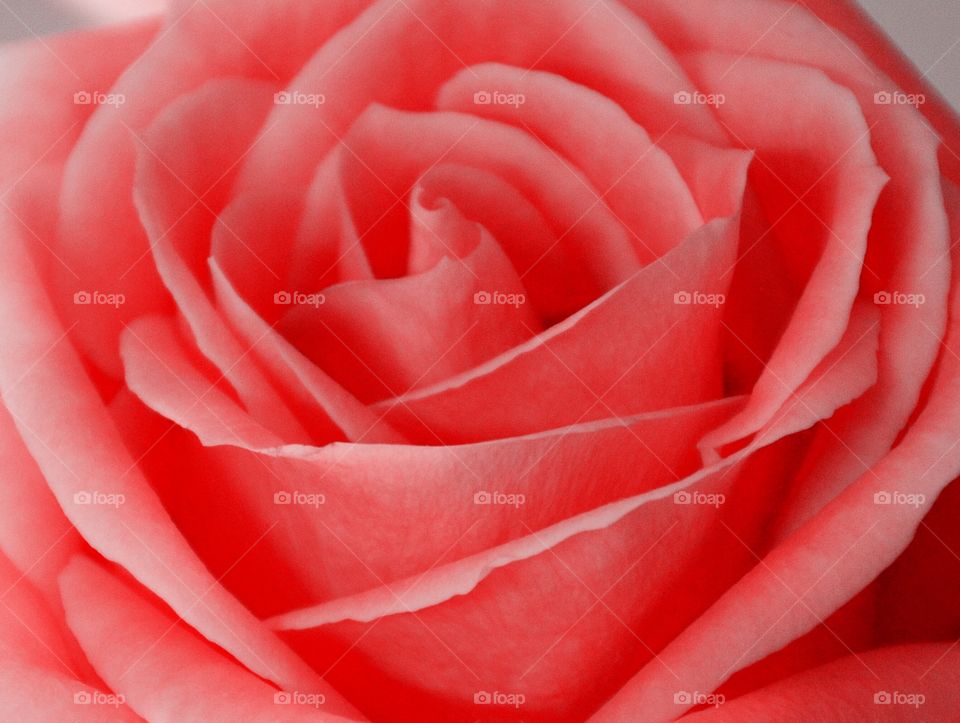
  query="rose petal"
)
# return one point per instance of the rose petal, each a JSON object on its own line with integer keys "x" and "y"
{"x": 599, "y": 45}
{"x": 845, "y": 375}
{"x": 369, "y": 334}
{"x": 517, "y": 225}
{"x": 303, "y": 381}
{"x": 46, "y": 134}
{"x": 761, "y": 112}
{"x": 570, "y": 565}
{"x": 636, "y": 179}
{"x": 32, "y": 635}
{"x": 163, "y": 669}
{"x": 827, "y": 560}
{"x": 40, "y": 543}
{"x": 869, "y": 37}
{"x": 561, "y": 377}
{"x": 896, "y": 683}
{"x": 178, "y": 190}
{"x": 161, "y": 373}
{"x": 44, "y": 78}
{"x": 215, "y": 38}
{"x": 387, "y": 150}
{"x": 74, "y": 459}
{"x": 909, "y": 239}
{"x": 547, "y": 467}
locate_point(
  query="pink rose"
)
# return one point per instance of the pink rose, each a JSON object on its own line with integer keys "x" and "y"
{"x": 421, "y": 360}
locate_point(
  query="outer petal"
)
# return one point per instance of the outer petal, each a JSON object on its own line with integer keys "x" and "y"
{"x": 902, "y": 683}
{"x": 200, "y": 41}
{"x": 44, "y": 676}
{"x": 138, "y": 533}
{"x": 164, "y": 670}
{"x": 576, "y": 566}
{"x": 825, "y": 562}
{"x": 601, "y": 45}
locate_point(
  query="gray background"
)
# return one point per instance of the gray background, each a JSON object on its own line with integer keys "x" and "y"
{"x": 927, "y": 30}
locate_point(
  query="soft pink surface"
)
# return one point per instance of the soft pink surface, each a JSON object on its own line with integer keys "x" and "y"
{"x": 407, "y": 305}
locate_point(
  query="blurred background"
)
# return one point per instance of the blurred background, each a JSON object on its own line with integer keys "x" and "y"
{"x": 927, "y": 30}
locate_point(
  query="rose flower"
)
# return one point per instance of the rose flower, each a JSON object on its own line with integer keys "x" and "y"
{"x": 421, "y": 360}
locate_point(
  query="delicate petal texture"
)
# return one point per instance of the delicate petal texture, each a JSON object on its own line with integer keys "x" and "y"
{"x": 897, "y": 683}
{"x": 557, "y": 379}
{"x": 165, "y": 671}
{"x": 494, "y": 360}
{"x": 826, "y": 561}
{"x": 137, "y": 533}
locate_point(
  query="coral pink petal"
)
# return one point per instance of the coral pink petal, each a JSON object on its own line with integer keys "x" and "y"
{"x": 178, "y": 191}
{"x": 573, "y": 379}
{"x": 631, "y": 174}
{"x": 137, "y": 534}
{"x": 602, "y": 46}
{"x": 902, "y": 682}
{"x": 760, "y": 111}
{"x": 826, "y": 561}
{"x": 164, "y": 670}
{"x": 308, "y": 387}
{"x": 199, "y": 41}
{"x": 368, "y": 334}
